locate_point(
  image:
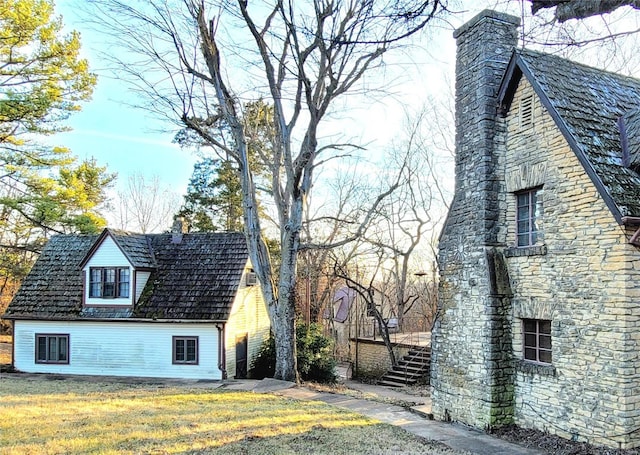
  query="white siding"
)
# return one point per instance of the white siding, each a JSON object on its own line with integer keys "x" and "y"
{"x": 120, "y": 348}
{"x": 107, "y": 255}
{"x": 141, "y": 281}
{"x": 248, "y": 315}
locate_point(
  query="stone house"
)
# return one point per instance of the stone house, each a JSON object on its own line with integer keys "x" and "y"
{"x": 180, "y": 305}
{"x": 539, "y": 314}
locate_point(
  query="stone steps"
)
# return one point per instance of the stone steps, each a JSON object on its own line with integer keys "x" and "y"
{"x": 409, "y": 370}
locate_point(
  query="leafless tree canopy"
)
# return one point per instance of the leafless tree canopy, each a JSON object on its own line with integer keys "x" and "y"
{"x": 144, "y": 205}
{"x": 196, "y": 61}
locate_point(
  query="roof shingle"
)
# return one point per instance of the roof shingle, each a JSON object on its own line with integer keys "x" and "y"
{"x": 587, "y": 103}
{"x": 53, "y": 287}
{"x": 197, "y": 278}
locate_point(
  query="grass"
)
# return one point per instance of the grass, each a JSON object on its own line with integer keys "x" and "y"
{"x": 41, "y": 416}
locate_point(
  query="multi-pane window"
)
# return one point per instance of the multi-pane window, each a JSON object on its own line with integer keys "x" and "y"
{"x": 528, "y": 217}
{"x": 123, "y": 282}
{"x": 185, "y": 350}
{"x": 109, "y": 282}
{"x": 537, "y": 340}
{"x": 52, "y": 348}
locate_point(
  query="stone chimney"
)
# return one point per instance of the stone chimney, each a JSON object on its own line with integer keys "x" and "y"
{"x": 179, "y": 228}
{"x": 472, "y": 369}
{"x": 484, "y": 47}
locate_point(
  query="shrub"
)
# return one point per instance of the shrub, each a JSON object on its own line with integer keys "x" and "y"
{"x": 314, "y": 355}
{"x": 264, "y": 364}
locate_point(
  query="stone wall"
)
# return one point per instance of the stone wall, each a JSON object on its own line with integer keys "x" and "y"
{"x": 472, "y": 367}
{"x": 584, "y": 280}
{"x": 370, "y": 358}
{"x": 582, "y": 275}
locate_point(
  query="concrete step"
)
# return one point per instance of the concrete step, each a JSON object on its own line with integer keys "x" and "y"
{"x": 400, "y": 379}
{"x": 420, "y": 357}
{"x": 396, "y": 382}
{"x": 406, "y": 369}
{"x": 412, "y": 365}
{"x": 419, "y": 352}
{"x": 382, "y": 382}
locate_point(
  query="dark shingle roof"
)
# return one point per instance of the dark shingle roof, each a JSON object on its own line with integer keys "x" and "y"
{"x": 136, "y": 247}
{"x": 586, "y": 103}
{"x": 53, "y": 287}
{"x": 195, "y": 279}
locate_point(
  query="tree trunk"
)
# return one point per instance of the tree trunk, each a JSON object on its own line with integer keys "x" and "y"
{"x": 283, "y": 322}
{"x": 384, "y": 333}
{"x": 284, "y": 312}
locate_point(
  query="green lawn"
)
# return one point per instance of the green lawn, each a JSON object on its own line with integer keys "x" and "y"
{"x": 40, "y": 416}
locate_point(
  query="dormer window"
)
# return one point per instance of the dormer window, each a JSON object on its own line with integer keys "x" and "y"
{"x": 109, "y": 282}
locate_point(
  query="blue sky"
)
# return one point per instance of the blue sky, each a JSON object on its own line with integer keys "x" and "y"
{"x": 117, "y": 135}
{"x": 128, "y": 141}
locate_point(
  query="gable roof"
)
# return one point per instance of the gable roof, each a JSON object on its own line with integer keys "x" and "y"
{"x": 135, "y": 247}
{"x": 586, "y": 104}
{"x": 197, "y": 278}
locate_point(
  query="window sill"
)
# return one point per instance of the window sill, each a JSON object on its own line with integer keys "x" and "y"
{"x": 514, "y": 251}
{"x": 525, "y": 366}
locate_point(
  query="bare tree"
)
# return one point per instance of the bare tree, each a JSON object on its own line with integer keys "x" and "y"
{"x": 581, "y": 9}
{"x": 400, "y": 238}
{"x": 333, "y": 216}
{"x": 364, "y": 285}
{"x": 595, "y": 32}
{"x": 301, "y": 57}
{"x": 144, "y": 205}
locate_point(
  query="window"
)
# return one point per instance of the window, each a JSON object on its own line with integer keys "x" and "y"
{"x": 123, "y": 283}
{"x": 528, "y": 216}
{"x": 252, "y": 279}
{"x": 537, "y": 340}
{"x": 109, "y": 282}
{"x": 52, "y": 348}
{"x": 185, "y": 350}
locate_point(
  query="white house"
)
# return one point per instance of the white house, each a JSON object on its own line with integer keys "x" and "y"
{"x": 155, "y": 305}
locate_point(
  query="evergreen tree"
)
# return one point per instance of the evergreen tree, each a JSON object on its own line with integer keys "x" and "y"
{"x": 43, "y": 189}
{"x": 214, "y": 196}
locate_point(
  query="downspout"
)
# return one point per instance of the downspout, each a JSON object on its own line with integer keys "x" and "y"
{"x": 222, "y": 351}
{"x": 633, "y": 221}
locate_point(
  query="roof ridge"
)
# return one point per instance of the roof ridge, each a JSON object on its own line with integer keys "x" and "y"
{"x": 537, "y": 53}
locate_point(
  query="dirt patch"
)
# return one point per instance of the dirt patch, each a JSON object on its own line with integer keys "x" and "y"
{"x": 535, "y": 439}
{"x": 5, "y": 353}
